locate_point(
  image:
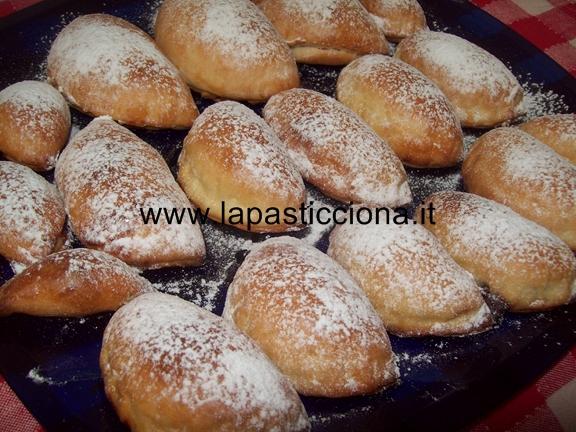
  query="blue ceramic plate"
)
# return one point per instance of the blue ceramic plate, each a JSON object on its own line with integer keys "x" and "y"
{"x": 52, "y": 364}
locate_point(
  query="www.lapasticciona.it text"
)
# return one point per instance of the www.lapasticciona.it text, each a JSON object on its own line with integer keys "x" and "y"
{"x": 305, "y": 214}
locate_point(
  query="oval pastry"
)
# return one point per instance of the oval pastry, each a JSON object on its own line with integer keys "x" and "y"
{"x": 72, "y": 283}
{"x": 32, "y": 215}
{"x": 556, "y": 131}
{"x": 329, "y": 32}
{"x": 170, "y": 365}
{"x": 225, "y": 48}
{"x": 104, "y": 65}
{"x": 411, "y": 280}
{"x": 34, "y": 124}
{"x": 311, "y": 319}
{"x": 336, "y": 150}
{"x": 482, "y": 90}
{"x": 236, "y": 170}
{"x": 397, "y": 18}
{"x": 521, "y": 261}
{"x": 405, "y": 108}
{"x": 511, "y": 167}
{"x": 119, "y": 195}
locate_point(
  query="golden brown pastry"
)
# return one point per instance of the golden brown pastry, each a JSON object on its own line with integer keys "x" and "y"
{"x": 311, "y": 319}
{"x": 522, "y": 262}
{"x": 398, "y": 18}
{"x": 34, "y": 124}
{"x": 511, "y": 167}
{"x": 32, "y": 215}
{"x": 112, "y": 182}
{"x": 557, "y": 132}
{"x": 104, "y": 65}
{"x": 411, "y": 280}
{"x": 237, "y": 171}
{"x": 330, "y": 32}
{"x": 169, "y": 365}
{"x": 481, "y": 88}
{"x": 335, "y": 150}
{"x": 405, "y": 108}
{"x": 226, "y": 49}
{"x": 72, "y": 283}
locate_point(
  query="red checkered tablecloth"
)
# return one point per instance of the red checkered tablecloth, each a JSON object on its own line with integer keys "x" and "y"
{"x": 548, "y": 24}
{"x": 10, "y": 6}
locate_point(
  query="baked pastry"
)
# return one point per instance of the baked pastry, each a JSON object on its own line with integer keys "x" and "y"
{"x": 557, "y": 132}
{"x": 104, "y": 65}
{"x": 482, "y": 90}
{"x": 522, "y": 262}
{"x": 32, "y": 215}
{"x": 34, "y": 124}
{"x": 511, "y": 167}
{"x": 411, "y": 280}
{"x": 72, "y": 283}
{"x": 335, "y": 150}
{"x": 329, "y": 32}
{"x": 405, "y": 108}
{"x": 170, "y": 365}
{"x": 236, "y": 170}
{"x": 398, "y": 18}
{"x": 226, "y": 49}
{"x": 115, "y": 187}
{"x": 311, "y": 319}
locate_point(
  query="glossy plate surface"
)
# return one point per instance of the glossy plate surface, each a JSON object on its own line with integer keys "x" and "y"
{"x": 52, "y": 364}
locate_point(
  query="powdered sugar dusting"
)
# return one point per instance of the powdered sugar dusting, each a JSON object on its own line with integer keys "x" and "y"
{"x": 313, "y": 303}
{"x": 336, "y": 150}
{"x": 528, "y": 161}
{"x": 201, "y": 360}
{"x": 111, "y": 49}
{"x": 117, "y": 167}
{"x": 539, "y": 102}
{"x": 413, "y": 276}
{"x": 465, "y": 65}
{"x": 299, "y": 272}
{"x": 236, "y": 29}
{"x": 410, "y": 89}
{"x": 502, "y": 235}
{"x": 29, "y": 206}
{"x": 250, "y": 148}
{"x": 33, "y": 103}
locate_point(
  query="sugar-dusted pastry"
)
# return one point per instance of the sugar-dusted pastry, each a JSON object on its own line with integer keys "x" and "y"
{"x": 511, "y": 167}
{"x": 226, "y": 49}
{"x": 34, "y": 124}
{"x": 481, "y": 88}
{"x": 330, "y": 32}
{"x": 411, "y": 280}
{"x": 104, "y": 65}
{"x": 557, "y": 131}
{"x": 115, "y": 186}
{"x": 311, "y": 319}
{"x": 237, "y": 171}
{"x": 72, "y": 283}
{"x": 398, "y": 18}
{"x": 335, "y": 150}
{"x": 170, "y": 365}
{"x": 521, "y": 261}
{"x": 32, "y": 215}
{"x": 405, "y": 108}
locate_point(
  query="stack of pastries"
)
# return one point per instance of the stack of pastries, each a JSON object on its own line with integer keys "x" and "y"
{"x": 296, "y": 320}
